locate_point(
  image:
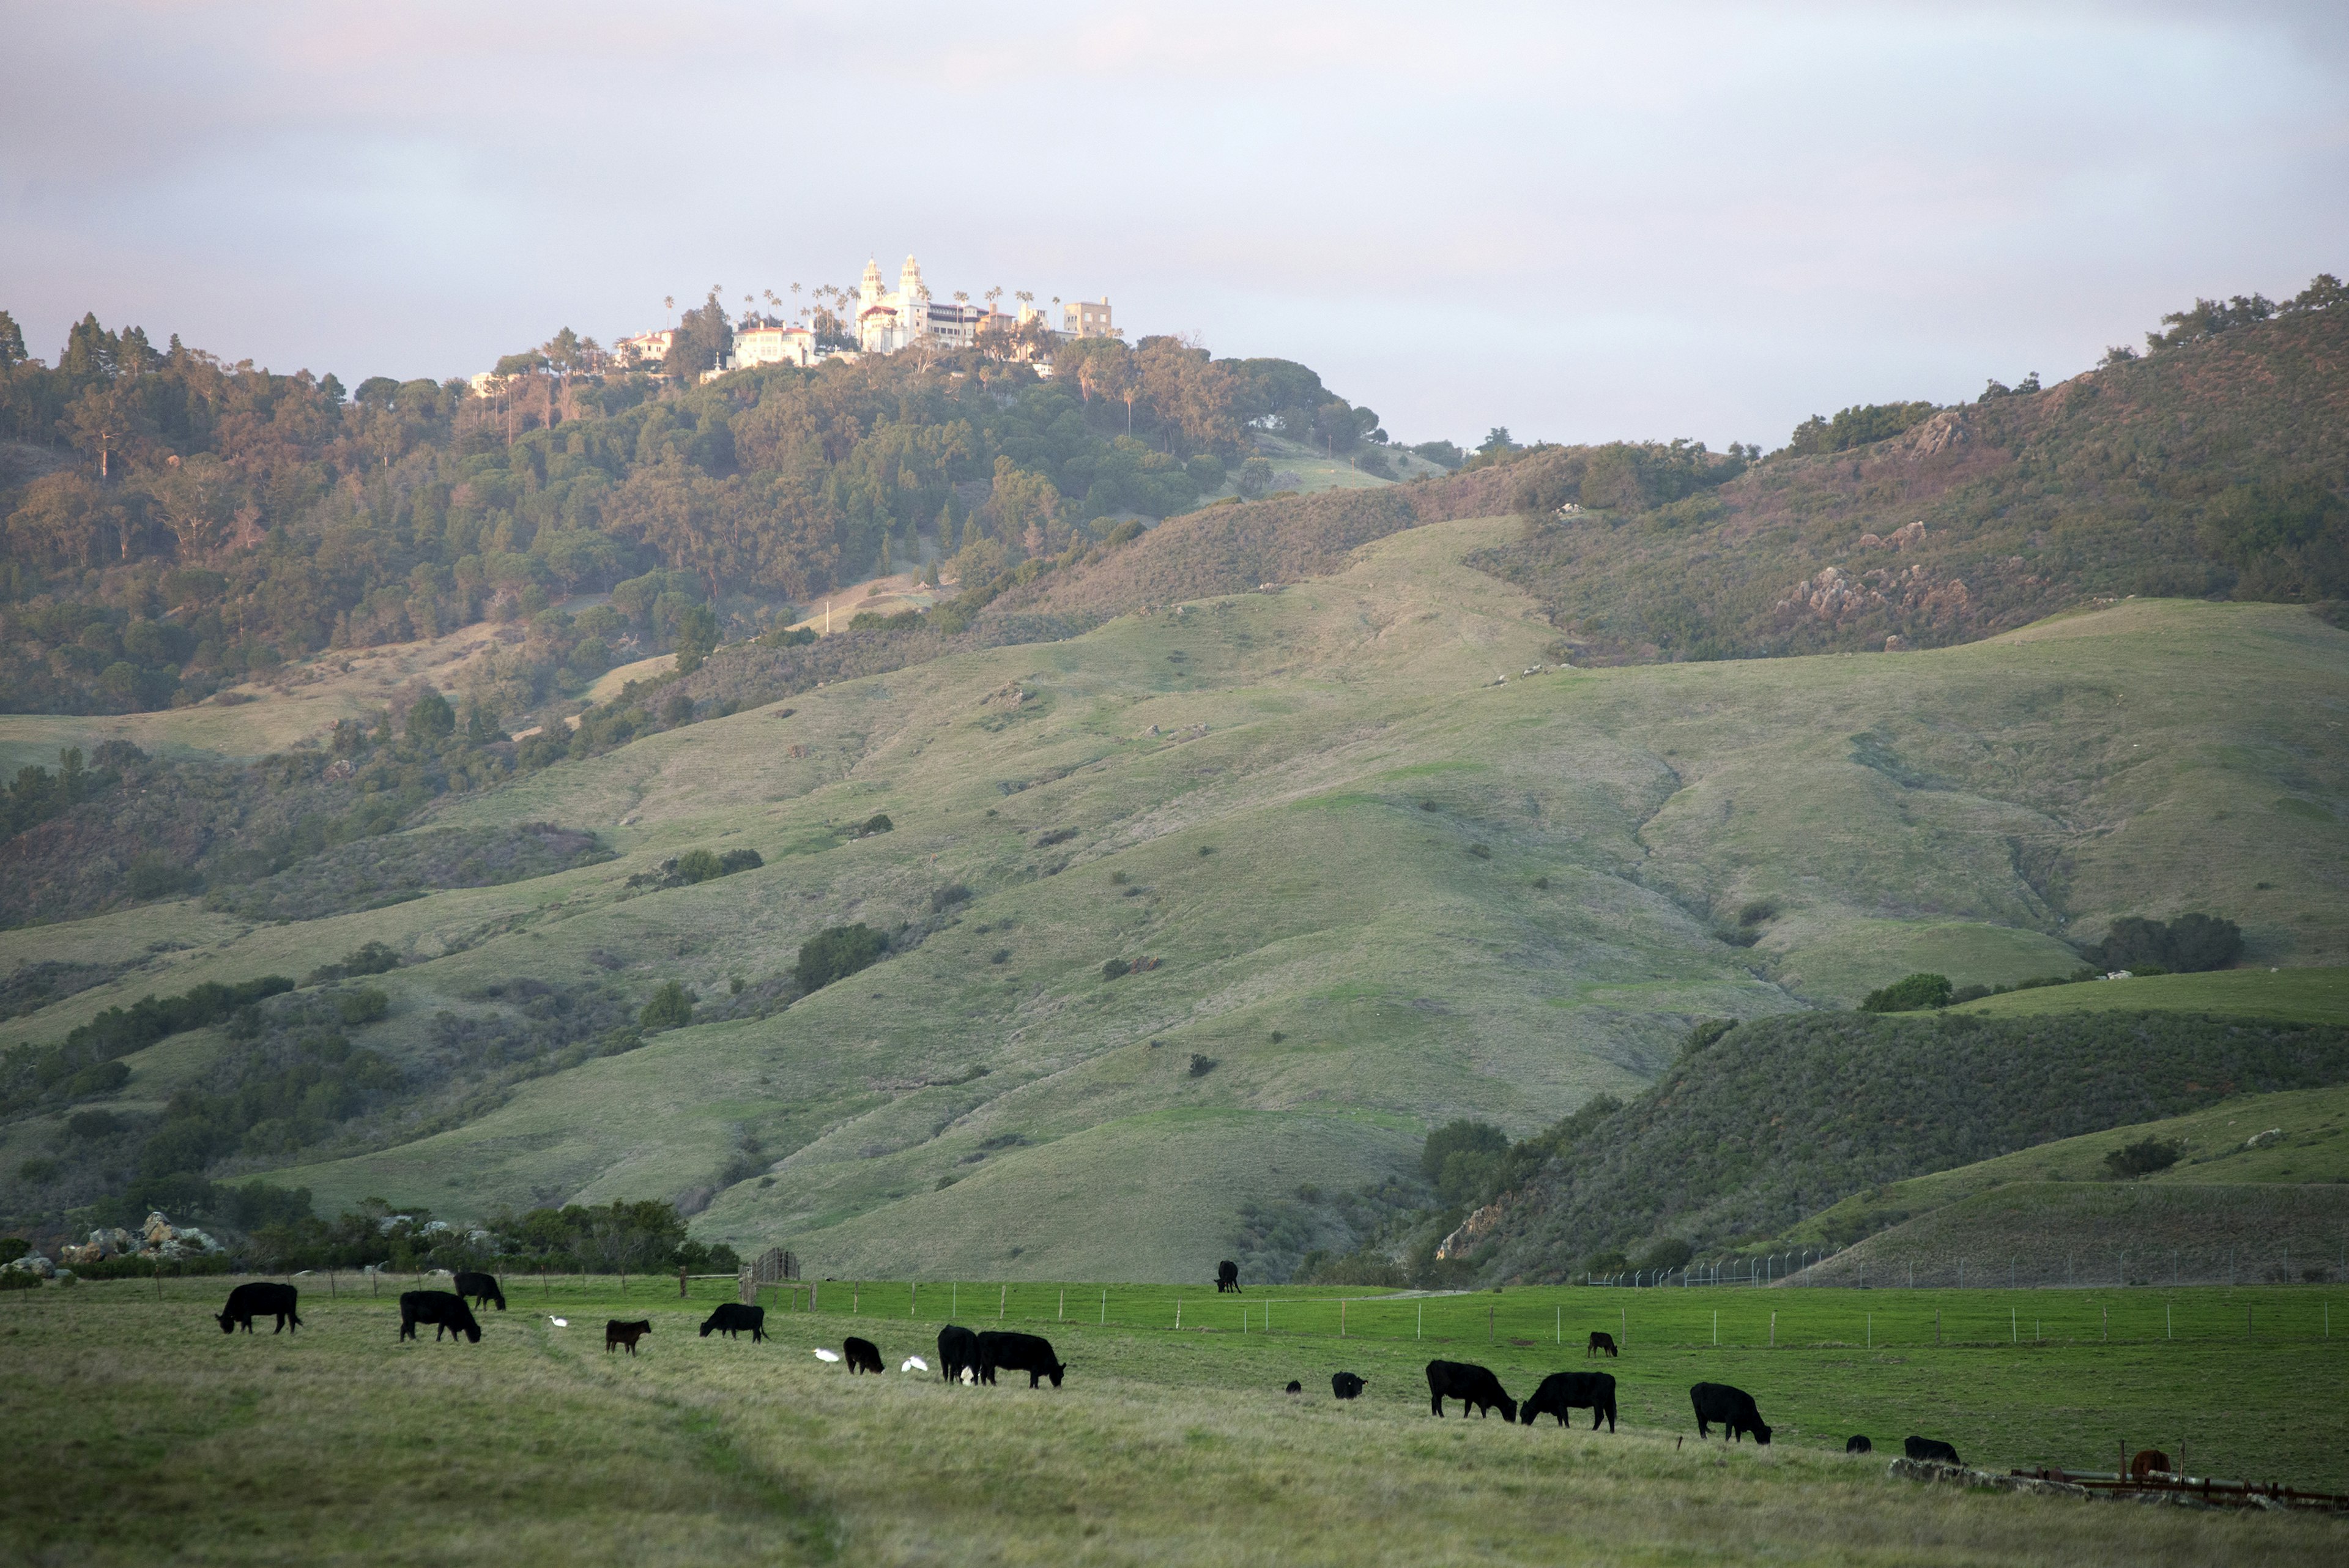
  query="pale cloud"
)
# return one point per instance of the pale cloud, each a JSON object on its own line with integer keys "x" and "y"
{"x": 1581, "y": 221}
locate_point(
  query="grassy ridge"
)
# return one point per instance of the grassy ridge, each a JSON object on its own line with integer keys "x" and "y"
{"x": 2104, "y": 486}
{"x": 2317, "y": 995}
{"x": 1752, "y": 1129}
{"x": 1160, "y": 1447}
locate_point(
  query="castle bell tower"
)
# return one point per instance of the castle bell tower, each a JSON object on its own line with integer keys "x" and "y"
{"x": 913, "y": 300}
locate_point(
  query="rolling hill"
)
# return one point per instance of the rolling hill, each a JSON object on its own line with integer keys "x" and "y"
{"x": 1387, "y": 877}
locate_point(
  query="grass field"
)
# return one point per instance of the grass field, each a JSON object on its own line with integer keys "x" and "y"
{"x": 160, "y": 1436}
{"x": 2311, "y": 995}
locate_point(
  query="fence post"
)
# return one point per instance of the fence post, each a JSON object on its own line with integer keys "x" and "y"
{"x": 1064, "y": 1304}
{"x": 1104, "y": 1321}
{"x": 1342, "y": 1317}
{"x": 1004, "y": 1300}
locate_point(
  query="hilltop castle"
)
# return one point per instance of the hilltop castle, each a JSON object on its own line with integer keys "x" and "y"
{"x": 887, "y": 322}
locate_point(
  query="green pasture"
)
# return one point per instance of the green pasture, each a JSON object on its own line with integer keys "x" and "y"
{"x": 2317, "y": 994}
{"x": 162, "y": 1437}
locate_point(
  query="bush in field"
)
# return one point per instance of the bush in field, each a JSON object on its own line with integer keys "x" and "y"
{"x": 2187, "y": 945}
{"x": 837, "y": 952}
{"x": 670, "y": 1008}
{"x": 1914, "y": 994}
{"x": 2143, "y": 1157}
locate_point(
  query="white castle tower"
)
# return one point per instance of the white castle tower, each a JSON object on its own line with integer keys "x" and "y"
{"x": 913, "y": 301}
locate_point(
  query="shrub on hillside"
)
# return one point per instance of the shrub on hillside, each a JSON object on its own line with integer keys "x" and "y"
{"x": 2187, "y": 945}
{"x": 1914, "y": 994}
{"x": 370, "y": 958}
{"x": 836, "y": 952}
{"x": 670, "y": 1008}
{"x": 2143, "y": 1157}
{"x": 1672, "y": 1252}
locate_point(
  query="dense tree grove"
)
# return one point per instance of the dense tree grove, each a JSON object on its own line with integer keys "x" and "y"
{"x": 171, "y": 524}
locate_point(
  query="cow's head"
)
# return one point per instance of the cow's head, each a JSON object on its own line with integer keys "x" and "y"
{"x": 707, "y": 1326}
{"x": 473, "y": 1332}
{"x": 1509, "y": 1409}
{"x": 228, "y": 1324}
{"x": 1762, "y": 1435}
{"x": 1058, "y": 1367}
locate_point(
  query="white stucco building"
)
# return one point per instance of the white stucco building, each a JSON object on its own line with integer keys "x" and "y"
{"x": 773, "y": 344}
{"x": 645, "y": 347}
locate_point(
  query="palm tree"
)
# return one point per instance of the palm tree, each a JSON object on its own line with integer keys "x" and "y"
{"x": 668, "y": 303}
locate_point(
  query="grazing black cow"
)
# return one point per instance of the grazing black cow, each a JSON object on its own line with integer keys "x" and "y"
{"x": 957, "y": 1353}
{"x": 447, "y": 1314}
{"x": 627, "y": 1334}
{"x": 732, "y": 1318}
{"x": 1346, "y": 1384}
{"x": 1859, "y": 1444}
{"x": 1564, "y": 1391}
{"x": 1295, "y": 1387}
{"x": 1931, "y": 1448}
{"x": 1731, "y": 1407}
{"x": 481, "y": 1289}
{"x": 261, "y": 1298}
{"x": 862, "y": 1354}
{"x": 1599, "y": 1342}
{"x": 1227, "y": 1277}
{"x": 1028, "y": 1353}
{"x": 1469, "y": 1383}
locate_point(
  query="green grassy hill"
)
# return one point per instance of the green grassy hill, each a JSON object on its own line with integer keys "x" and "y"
{"x": 2299, "y": 996}
{"x": 1389, "y": 877}
{"x": 2257, "y": 1176}
{"x": 1751, "y": 1130}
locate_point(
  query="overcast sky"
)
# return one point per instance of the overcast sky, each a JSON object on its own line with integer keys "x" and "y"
{"x": 1707, "y": 220}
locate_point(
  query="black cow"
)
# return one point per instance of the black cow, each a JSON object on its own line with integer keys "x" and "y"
{"x": 617, "y": 1332}
{"x": 1599, "y": 1342}
{"x": 1346, "y": 1384}
{"x": 1295, "y": 1387}
{"x": 1731, "y": 1407}
{"x": 862, "y": 1354}
{"x": 957, "y": 1353}
{"x": 1931, "y": 1448}
{"x": 261, "y": 1298}
{"x": 1469, "y": 1383}
{"x": 1227, "y": 1277}
{"x": 1564, "y": 1391}
{"x": 447, "y": 1314}
{"x": 481, "y": 1289}
{"x": 1028, "y": 1353}
{"x": 1859, "y": 1444}
{"x": 732, "y": 1317}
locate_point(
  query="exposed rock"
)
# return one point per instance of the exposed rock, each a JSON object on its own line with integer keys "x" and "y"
{"x": 1464, "y": 1241}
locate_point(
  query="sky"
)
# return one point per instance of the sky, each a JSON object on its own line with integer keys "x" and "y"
{"x": 1580, "y": 222}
